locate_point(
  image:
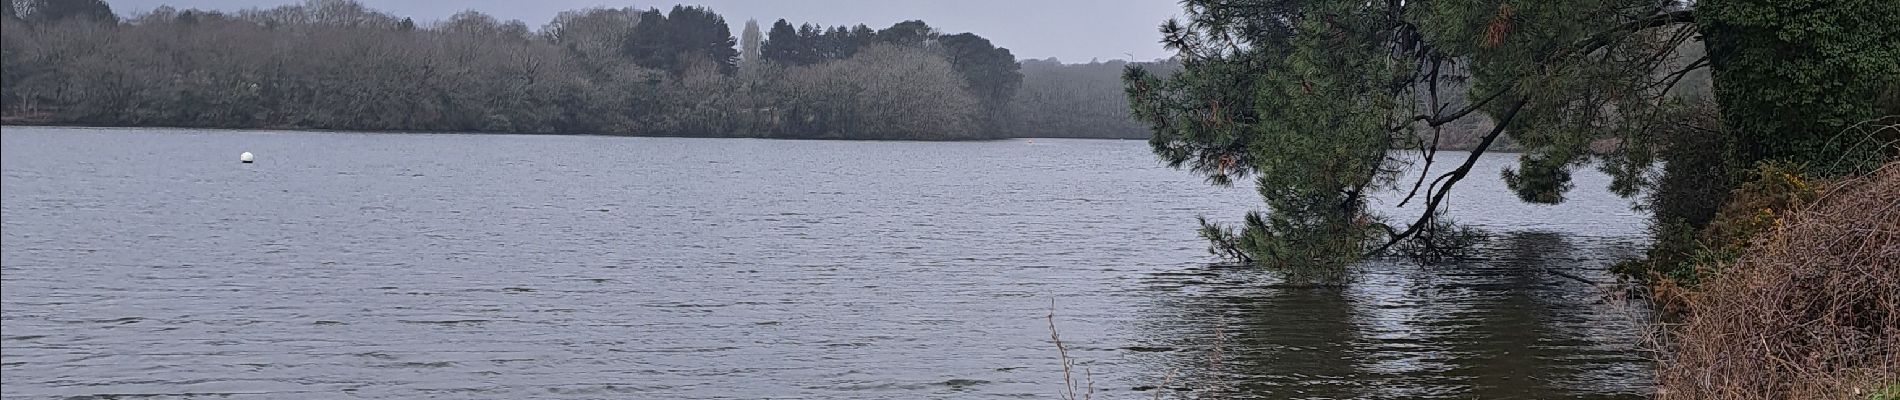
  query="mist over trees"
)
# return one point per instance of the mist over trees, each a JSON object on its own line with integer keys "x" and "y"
{"x": 335, "y": 64}
{"x": 1078, "y": 100}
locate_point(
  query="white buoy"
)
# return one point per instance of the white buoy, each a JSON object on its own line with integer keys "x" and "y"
{"x": 245, "y": 158}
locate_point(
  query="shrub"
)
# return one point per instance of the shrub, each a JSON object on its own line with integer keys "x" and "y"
{"x": 1682, "y": 256}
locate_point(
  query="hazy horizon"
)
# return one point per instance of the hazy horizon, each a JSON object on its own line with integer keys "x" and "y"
{"x": 1073, "y": 31}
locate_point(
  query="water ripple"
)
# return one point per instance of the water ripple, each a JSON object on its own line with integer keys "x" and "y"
{"x": 461, "y": 266}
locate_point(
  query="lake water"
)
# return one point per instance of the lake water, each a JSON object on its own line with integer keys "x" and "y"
{"x": 149, "y": 262}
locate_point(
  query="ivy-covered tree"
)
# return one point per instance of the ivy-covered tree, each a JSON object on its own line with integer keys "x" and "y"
{"x": 1799, "y": 86}
{"x": 1793, "y": 74}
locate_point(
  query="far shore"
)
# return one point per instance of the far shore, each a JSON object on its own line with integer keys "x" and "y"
{"x": 1503, "y": 149}
{"x": 426, "y": 132}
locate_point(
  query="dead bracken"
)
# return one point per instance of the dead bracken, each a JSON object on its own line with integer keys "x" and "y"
{"x": 1811, "y": 312}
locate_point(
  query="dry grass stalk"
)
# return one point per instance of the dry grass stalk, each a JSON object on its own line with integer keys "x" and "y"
{"x": 1068, "y": 364}
{"x": 1812, "y": 311}
{"x": 1086, "y": 392}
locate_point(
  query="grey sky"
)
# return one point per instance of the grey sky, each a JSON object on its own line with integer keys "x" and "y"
{"x": 1072, "y": 30}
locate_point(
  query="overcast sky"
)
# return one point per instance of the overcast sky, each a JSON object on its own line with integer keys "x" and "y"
{"x": 1072, "y": 30}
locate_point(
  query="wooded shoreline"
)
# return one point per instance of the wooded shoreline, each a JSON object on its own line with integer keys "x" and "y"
{"x": 342, "y": 66}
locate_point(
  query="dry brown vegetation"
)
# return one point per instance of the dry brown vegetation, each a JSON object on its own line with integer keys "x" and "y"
{"x": 1812, "y": 311}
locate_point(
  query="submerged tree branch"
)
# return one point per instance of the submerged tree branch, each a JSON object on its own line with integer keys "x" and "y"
{"x": 1452, "y": 178}
{"x": 1573, "y": 277}
{"x": 1587, "y": 46}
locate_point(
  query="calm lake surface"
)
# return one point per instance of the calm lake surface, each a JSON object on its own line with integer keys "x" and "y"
{"x": 149, "y": 262}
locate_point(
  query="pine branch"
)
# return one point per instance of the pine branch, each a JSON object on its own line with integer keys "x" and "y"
{"x": 1605, "y": 38}
{"x": 1452, "y": 178}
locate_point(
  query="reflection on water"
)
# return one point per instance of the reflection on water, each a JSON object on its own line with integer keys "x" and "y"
{"x": 469, "y": 266}
{"x": 1499, "y": 327}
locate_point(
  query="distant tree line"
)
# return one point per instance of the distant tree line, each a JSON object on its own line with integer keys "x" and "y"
{"x": 1078, "y": 100}
{"x": 335, "y": 64}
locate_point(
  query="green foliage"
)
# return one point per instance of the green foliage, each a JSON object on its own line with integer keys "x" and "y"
{"x": 1890, "y": 391}
{"x": 1674, "y": 256}
{"x": 990, "y": 72}
{"x": 1696, "y": 179}
{"x": 1686, "y": 254}
{"x": 907, "y": 33}
{"x": 808, "y": 44}
{"x": 686, "y": 37}
{"x": 1223, "y": 242}
{"x": 1793, "y": 74}
{"x": 1309, "y": 98}
{"x": 1444, "y": 240}
{"x": 1691, "y": 187}
{"x": 1308, "y": 256}
{"x": 785, "y": 46}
